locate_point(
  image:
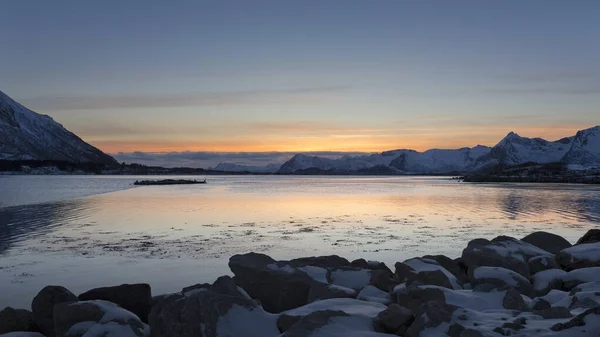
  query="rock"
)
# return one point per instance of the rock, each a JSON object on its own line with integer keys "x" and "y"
{"x": 96, "y": 318}
{"x": 503, "y": 251}
{"x": 514, "y": 301}
{"x": 320, "y": 291}
{"x": 328, "y": 262}
{"x": 360, "y": 263}
{"x": 414, "y": 297}
{"x": 547, "y": 280}
{"x": 580, "y": 276}
{"x": 393, "y": 318}
{"x": 376, "y": 265}
{"x": 593, "y": 235}
{"x": 584, "y": 302}
{"x": 308, "y": 324}
{"x": 16, "y": 320}
{"x": 213, "y": 312}
{"x": 578, "y": 320}
{"x": 587, "y": 286}
{"x": 435, "y": 277}
{"x": 549, "y": 242}
{"x": 22, "y": 334}
{"x": 541, "y": 263}
{"x": 43, "y": 304}
{"x": 580, "y": 256}
{"x": 431, "y": 315}
{"x": 382, "y": 279}
{"x": 541, "y": 304}
{"x": 195, "y": 287}
{"x": 403, "y": 272}
{"x": 285, "y": 322}
{"x": 136, "y": 298}
{"x": 373, "y": 294}
{"x": 502, "y": 278}
{"x": 553, "y": 313}
{"x": 431, "y": 265}
{"x": 350, "y": 306}
{"x": 456, "y": 267}
{"x": 351, "y": 277}
{"x": 279, "y": 287}
{"x": 485, "y": 287}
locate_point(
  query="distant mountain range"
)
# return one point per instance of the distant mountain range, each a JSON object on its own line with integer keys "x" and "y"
{"x": 577, "y": 152}
{"x": 27, "y": 135}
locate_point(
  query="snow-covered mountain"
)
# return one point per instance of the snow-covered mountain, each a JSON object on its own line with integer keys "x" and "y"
{"x": 514, "y": 149}
{"x": 230, "y": 167}
{"x": 581, "y": 150}
{"x": 585, "y": 148}
{"x": 26, "y": 135}
{"x": 400, "y": 161}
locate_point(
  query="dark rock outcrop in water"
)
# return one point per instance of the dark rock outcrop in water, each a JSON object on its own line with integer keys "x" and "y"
{"x": 490, "y": 291}
{"x": 26, "y": 135}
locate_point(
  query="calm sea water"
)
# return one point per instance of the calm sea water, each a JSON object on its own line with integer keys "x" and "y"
{"x": 88, "y": 231}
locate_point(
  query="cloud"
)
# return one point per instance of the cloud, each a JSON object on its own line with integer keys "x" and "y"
{"x": 211, "y": 159}
{"x": 245, "y": 97}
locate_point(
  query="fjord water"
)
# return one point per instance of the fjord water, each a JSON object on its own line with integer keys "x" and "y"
{"x": 89, "y": 231}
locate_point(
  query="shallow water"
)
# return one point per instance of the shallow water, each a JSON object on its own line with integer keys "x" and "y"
{"x": 83, "y": 232}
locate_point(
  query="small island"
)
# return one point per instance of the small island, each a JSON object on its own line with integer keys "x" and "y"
{"x": 168, "y": 182}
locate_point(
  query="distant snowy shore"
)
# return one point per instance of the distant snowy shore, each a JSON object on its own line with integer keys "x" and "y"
{"x": 540, "y": 285}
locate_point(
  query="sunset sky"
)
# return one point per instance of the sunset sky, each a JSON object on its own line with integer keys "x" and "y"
{"x": 261, "y": 76}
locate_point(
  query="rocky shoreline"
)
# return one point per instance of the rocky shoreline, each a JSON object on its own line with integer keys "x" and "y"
{"x": 540, "y": 285}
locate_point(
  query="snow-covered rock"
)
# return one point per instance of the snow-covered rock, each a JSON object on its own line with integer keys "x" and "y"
{"x": 580, "y": 256}
{"x": 546, "y": 280}
{"x": 136, "y": 298}
{"x": 373, "y": 294}
{"x": 26, "y": 135}
{"x": 501, "y": 278}
{"x": 96, "y": 318}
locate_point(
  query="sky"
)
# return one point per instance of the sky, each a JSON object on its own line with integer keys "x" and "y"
{"x": 147, "y": 77}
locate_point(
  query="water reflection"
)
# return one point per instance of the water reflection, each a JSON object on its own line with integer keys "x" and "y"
{"x": 197, "y": 228}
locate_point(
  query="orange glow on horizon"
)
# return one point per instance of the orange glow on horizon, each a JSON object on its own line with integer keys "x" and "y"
{"x": 419, "y": 139}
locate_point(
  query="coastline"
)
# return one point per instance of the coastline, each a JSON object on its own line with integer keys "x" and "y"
{"x": 540, "y": 284}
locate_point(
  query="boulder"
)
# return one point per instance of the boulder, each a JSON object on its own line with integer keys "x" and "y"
{"x": 328, "y": 262}
{"x": 278, "y": 286}
{"x": 549, "y": 242}
{"x": 593, "y": 235}
{"x": 502, "y": 251}
{"x": 502, "y": 278}
{"x": 394, "y": 318}
{"x": 22, "y": 334}
{"x": 588, "y": 316}
{"x": 382, "y": 279}
{"x": 546, "y": 280}
{"x": 16, "y": 320}
{"x": 553, "y": 313}
{"x": 307, "y": 325}
{"x": 43, "y": 304}
{"x": 431, "y": 315}
{"x": 136, "y": 298}
{"x": 580, "y": 276}
{"x": 436, "y": 277}
{"x": 414, "y": 297}
{"x": 580, "y": 256}
{"x": 423, "y": 264}
{"x": 215, "y": 311}
{"x": 351, "y": 277}
{"x": 96, "y": 318}
{"x": 285, "y": 322}
{"x": 403, "y": 272}
{"x": 373, "y": 294}
{"x": 542, "y": 262}
{"x": 360, "y": 263}
{"x": 321, "y": 291}
{"x": 456, "y": 266}
{"x": 514, "y": 301}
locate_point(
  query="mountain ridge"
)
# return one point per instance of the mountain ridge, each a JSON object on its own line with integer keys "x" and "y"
{"x": 28, "y": 135}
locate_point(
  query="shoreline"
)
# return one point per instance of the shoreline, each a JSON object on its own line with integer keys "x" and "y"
{"x": 538, "y": 285}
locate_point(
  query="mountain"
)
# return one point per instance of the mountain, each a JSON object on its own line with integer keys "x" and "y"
{"x": 398, "y": 161}
{"x": 577, "y": 152}
{"x": 514, "y": 150}
{"x": 229, "y": 167}
{"x": 26, "y": 135}
{"x": 585, "y": 148}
